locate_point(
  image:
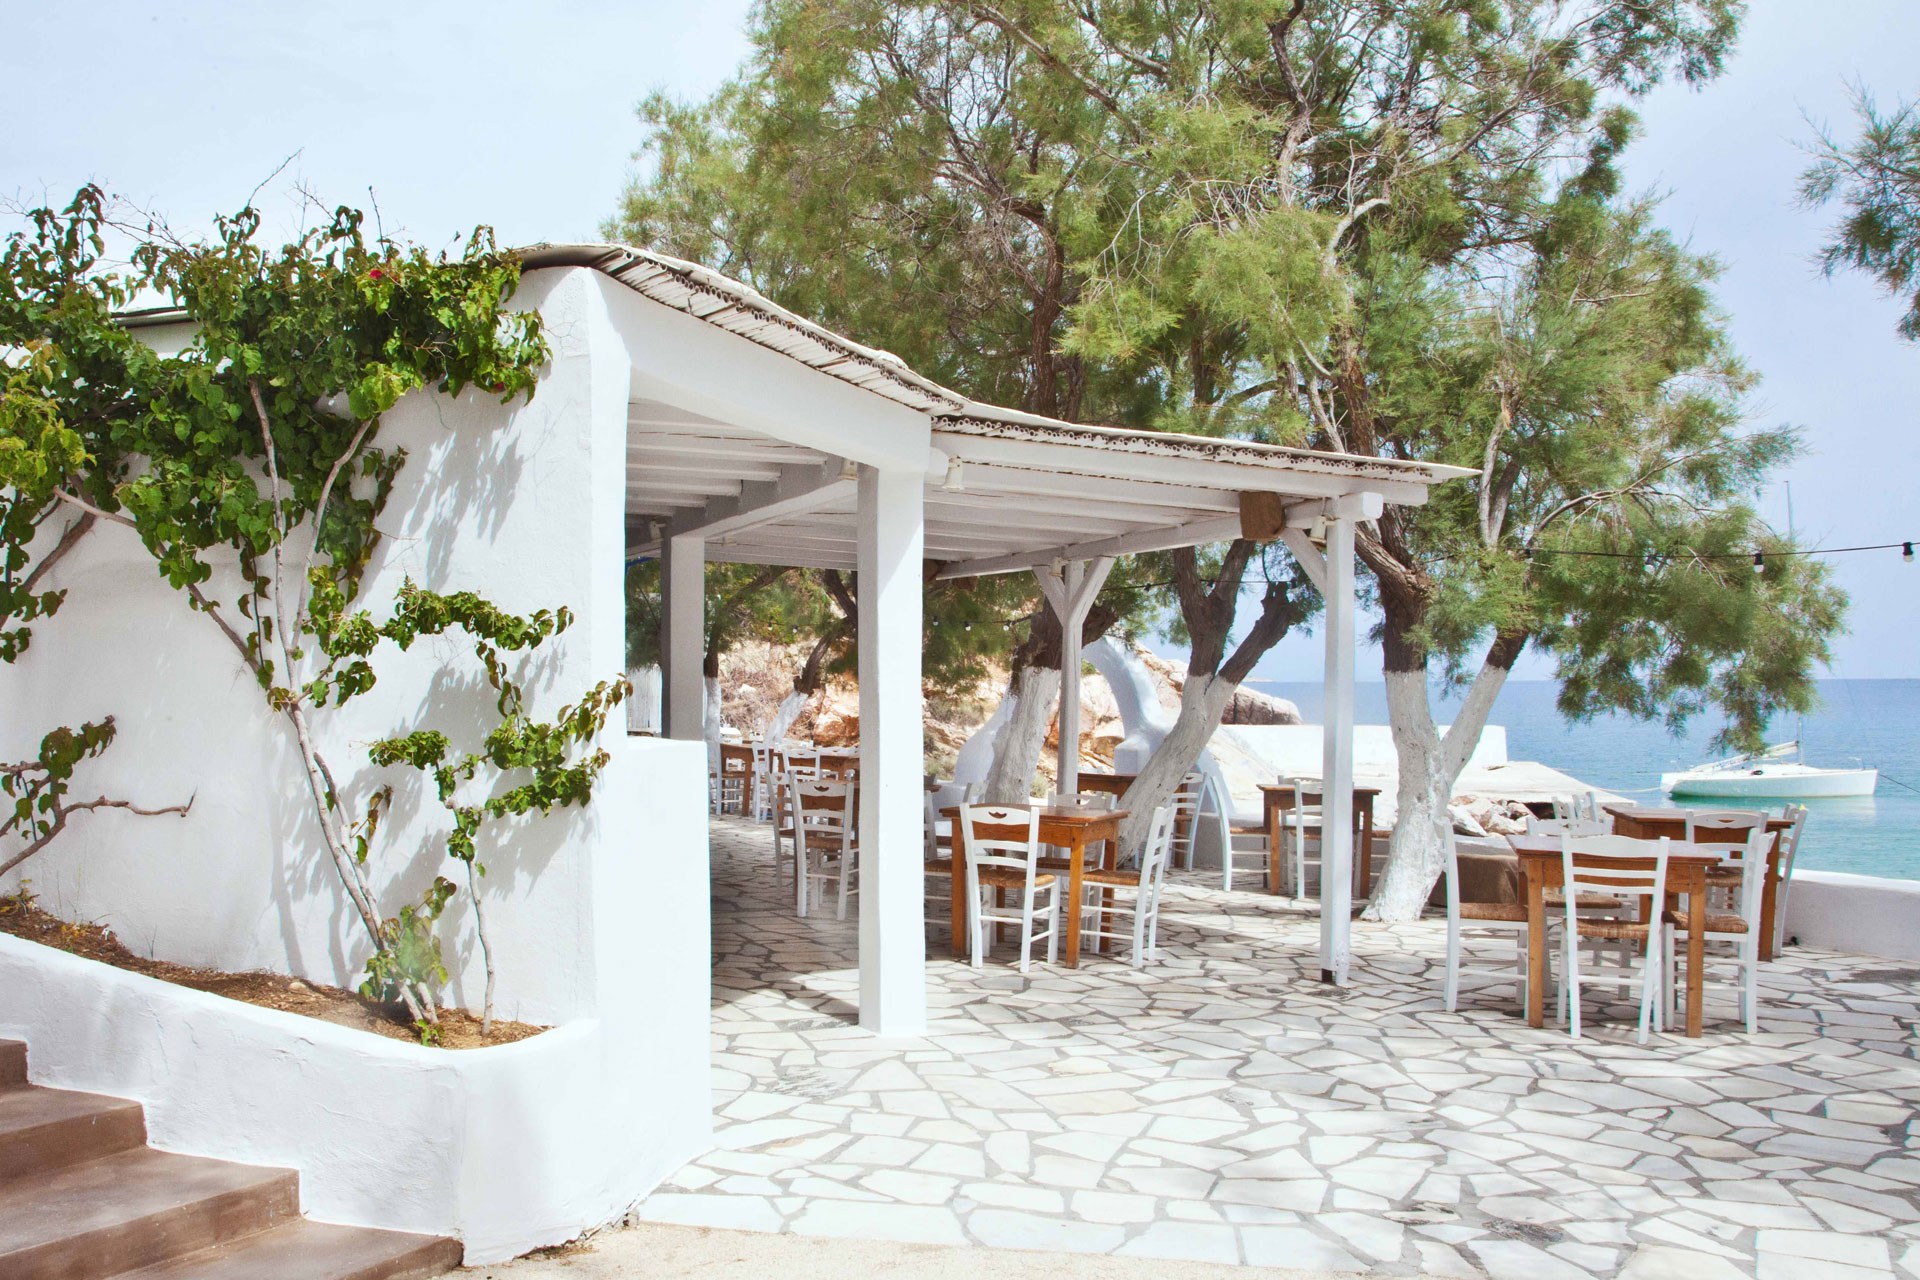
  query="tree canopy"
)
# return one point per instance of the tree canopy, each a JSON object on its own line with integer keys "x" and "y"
{"x": 1876, "y": 178}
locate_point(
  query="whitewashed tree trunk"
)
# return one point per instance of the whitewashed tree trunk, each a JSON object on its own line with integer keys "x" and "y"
{"x": 1429, "y": 766}
{"x": 714, "y": 719}
{"x": 1203, "y": 701}
{"x": 1016, "y": 755}
{"x": 789, "y": 710}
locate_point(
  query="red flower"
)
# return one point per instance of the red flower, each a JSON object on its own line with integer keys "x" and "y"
{"x": 376, "y": 274}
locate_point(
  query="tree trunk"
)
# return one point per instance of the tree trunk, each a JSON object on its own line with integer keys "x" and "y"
{"x": 1429, "y": 766}
{"x": 1016, "y": 755}
{"x": 1203, "y": 700}
{"x": 1208, "y": 612}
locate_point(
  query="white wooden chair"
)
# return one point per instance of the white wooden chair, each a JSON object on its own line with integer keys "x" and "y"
{"x": 1186, "y": 803}
{"x": 939, "y": 856}
{"x": 1495, "y": 920}
{"x": 1132, "y": 894}
{"x": 1599, "y": 906}
{"x": 1739, "y": 930}
{"x": 825, "y": 836}
{"x": 780, "y": 806}
{"x": 1789, "y": 850}
{"x": 1003, "y": 857}
{"x": 1619, "y": 867}
{"x": 768, "y": 764}
{"x": 1295, "y": 823}
{"x": 1085, "y": 801}
{"x": 1722, "y": 829}
{"x": 1581, "y": 804}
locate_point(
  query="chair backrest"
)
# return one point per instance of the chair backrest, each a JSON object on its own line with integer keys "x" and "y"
{"x": 1562, "y": 807}
{"x": 1617, "y": 866}
{"x": 1751, "y": 858}
{"x": 1087, "y": 800}
{"x": 1790, "y": 838}
{"x": 823, "y": 804}
{"x": 1157, "y": 852}
{"x": 1582, "y": 827}
{"x": 1587, "y": 805}
{"x": 1001, "y": 836}
{"x": 1723, "y": 826}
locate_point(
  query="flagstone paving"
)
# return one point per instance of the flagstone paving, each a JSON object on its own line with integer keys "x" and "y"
{"x": 1223, "y": 1105}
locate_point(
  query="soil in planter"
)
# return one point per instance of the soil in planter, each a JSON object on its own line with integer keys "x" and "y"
{"x": 458, "y": 1028}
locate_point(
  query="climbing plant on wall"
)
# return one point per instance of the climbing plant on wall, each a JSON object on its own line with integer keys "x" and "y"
{"x": 249, "y": 465}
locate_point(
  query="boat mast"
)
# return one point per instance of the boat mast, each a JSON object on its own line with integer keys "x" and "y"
{"x": 1800, "y": 724}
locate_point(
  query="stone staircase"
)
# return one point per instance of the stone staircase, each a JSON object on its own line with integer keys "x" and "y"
{"x": 83, "y": 1197}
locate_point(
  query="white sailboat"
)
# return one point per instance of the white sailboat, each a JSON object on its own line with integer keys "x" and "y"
{"x": 1770, "y": 774}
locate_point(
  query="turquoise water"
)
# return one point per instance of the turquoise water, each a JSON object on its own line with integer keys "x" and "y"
{"x": 1872, "y": 722}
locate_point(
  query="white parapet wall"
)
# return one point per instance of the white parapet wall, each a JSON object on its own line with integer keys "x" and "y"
{"x": 1867, "y": 915}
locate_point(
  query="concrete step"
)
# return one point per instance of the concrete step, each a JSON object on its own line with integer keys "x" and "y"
{"x": 13, "y": 1062}
{"x": 303, "y": 1250}
{"x": 43, "y": 1130}
{"x": 133, "y": 1209}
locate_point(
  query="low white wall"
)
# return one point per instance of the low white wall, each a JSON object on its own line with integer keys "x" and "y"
{"x": 1867, "y": 915}
{"x": 508, "y": 1148}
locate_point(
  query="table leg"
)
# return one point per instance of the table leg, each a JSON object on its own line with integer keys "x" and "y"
{"x": 959, "y": 890}
{"x": 1363, "y": 844}
{"x": 1769, "y": 896}
{"x": 1076, "y": 885}
{"x": 1696, "y": 947}
{"x": 1536, "y": 948}
{"x": 1273, "y": 844}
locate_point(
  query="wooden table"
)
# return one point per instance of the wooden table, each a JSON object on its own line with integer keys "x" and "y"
{"x": 1070, "y": 829}
{"x": 1542, "y": 869}
{"x": 1111, "y": 784}
{"x": 1651, "y": 824}
{"x": 1277, "y": 799}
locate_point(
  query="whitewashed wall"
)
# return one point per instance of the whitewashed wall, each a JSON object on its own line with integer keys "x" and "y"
{"x": 598, "y": 916}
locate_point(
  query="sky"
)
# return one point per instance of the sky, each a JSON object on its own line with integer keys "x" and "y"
{"x": 447, "y": 115}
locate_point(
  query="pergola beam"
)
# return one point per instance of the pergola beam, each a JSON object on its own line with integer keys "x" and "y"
{"x": 799, "y": 488}
{"x": 1070, "y": 590}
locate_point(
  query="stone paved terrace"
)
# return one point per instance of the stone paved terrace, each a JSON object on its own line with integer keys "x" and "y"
{"x": 1223, "y": 1105}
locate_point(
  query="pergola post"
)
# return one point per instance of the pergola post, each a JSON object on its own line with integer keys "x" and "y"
{"x": 1336, "y": 776}
{"x": 1070, "y": 590}
{"x": 683, "y": 605}
{"x": 893, "y": 944}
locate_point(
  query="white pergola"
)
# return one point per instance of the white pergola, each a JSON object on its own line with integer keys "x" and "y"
{"x": 756, "y": 437}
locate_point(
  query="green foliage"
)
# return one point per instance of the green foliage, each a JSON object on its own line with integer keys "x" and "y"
{"x": 408, "y": 958}
{"x": 1876, "y": 178}
{"x": 251, "y": 455}
{"x": 39, "y": 787}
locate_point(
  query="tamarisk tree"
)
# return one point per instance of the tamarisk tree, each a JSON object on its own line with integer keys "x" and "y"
{"x": 1876, "y": 178}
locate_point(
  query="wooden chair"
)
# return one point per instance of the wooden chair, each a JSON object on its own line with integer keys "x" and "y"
{"x": 1003, "y": 856}
{"x": 1739, "y": 928}
{"x": 939, "y": 857}
{"x": 824, "y": 834}
{"x": 1186, "y": 802}
{"x": 1132, "y": 893}
{"x": 1581, "y": 804}
{"x": 1789, "y": 850}
{"x": 726, "y": 781}
{"x": 1602, "y": 906}
{"x": 1086, "y": 801}
{"x": 799, "y": 769}
{"x": 1307, "y": 814}
{"x": 1724, "y": 831}
{"x": 1618, "y": 867}
{"x": 1506, "y": 920}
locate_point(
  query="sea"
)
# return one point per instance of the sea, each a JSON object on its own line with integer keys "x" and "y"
{"x": 1871, "y": 722}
